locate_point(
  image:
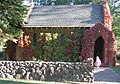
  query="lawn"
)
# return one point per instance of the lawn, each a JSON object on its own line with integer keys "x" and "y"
{"x": 17, "y": 81}
{"x": 20, "y": 81}
{"x": 11, "y": 82}
{"x": 117, "y": 68}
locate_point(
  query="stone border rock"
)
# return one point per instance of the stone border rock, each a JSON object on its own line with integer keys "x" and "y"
{"x": 47, "y": 71}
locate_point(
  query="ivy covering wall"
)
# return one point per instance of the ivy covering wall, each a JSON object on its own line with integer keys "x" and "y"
{"x": 55, "y": 45}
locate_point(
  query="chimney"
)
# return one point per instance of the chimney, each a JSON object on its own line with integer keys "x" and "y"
{"x": 107, "y": 15}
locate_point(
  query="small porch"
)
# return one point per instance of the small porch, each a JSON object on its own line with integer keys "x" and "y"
{"x": 99, "y": 41}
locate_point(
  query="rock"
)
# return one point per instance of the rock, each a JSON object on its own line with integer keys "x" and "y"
{"x": 44, "y": 65}
{"x": 9, "y": 76}
{"x": 58, "y": 69}
{"x": 8, "y": 70}
{"x": 2, "y": 75}
{"x": 85, "y": 73}
{"x": 13, "y": 73}
{"x": 16, "y": 67}
{"x": 33, "y": 70}
{"x": 44, "y": 72}
{"x": 36, "y": 76}
{"x": 37, "y": 69}
{"x": 91, "y": 74}
{"x": 18, "y": 76}
{"x": 39, "y": 72}
{"x": 31, "y": 78}
{"x": 85, "y": 79}
{"x": 81, "y": 76}
{"x": 77, "y": 77}
{"x": 47, "y": 71}
{"x": 52, "y": 70}
{"x": 23, "y": 72}
{"x": 19, "y": 71}
{"x": 42, "y": 77}
{"x": 27, "y": 76}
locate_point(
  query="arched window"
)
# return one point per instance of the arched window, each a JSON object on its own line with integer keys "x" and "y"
{"x": 34, "y": 39}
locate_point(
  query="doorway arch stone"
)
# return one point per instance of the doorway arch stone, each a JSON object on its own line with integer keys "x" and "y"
{"x": 110, "y": 46}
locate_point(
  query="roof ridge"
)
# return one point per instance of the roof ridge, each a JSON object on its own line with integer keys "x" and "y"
{"x": 67, "y": 5}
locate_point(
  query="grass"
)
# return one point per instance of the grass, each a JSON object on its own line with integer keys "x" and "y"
{"x": 118, "y": 56}
{"x": 11, "y": 82}
{"x": 16, "y": 81}
{"x": 21, "y": 81}
{"x": 118, "y": 61}
{"x": 117, "y": 68}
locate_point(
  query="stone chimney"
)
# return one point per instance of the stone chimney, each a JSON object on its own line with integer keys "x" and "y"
{"x": 107, "y": 15}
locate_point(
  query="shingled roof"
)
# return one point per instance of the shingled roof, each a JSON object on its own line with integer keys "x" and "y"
{"x": 65, "y": 16}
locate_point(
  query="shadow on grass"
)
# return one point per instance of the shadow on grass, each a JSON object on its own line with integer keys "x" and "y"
{"x": 117, "y": 68}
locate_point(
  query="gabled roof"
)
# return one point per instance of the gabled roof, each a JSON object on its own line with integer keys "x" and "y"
{"x": 65, "y": 16}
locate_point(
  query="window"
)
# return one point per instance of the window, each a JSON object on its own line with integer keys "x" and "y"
{"x": 62, "y": 39}
{"x": 34, "y": 39}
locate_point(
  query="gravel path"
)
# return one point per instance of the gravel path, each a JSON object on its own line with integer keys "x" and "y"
{"x": 105, "y": 74}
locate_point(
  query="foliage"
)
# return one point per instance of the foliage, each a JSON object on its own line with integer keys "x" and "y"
{"x": 96, "y": 1}
{"x": 117, "y": 68}
{"x": 59, "y": 46}
{"x": 115, "y": 10}
{"x": 118, "y": 56}
{"x": 87, "y": 1}
{"x": 61, "y": 2}
{"x": 11, "y": 17}
{"x": 118, "y": 43}
{"x": 116, "y": 19}
{"x": 82, "y": 1}
{"x": 65, "y": 2}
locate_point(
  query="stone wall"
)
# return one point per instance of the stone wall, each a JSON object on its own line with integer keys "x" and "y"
{"x": 47, "y": 71}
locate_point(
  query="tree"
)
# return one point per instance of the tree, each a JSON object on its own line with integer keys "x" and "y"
{"x": 61, "y": 2}
{"x": 96, "y": 1}
{"x": 12, "y": 14}
{"x": 66, "y": 2}
{"x": 82, "y": 1}
{"x": 115, "y": 11}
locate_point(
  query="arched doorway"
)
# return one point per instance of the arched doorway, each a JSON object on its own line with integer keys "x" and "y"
{"x": 105, "y": 42}
{"x": 99, "y": 49}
